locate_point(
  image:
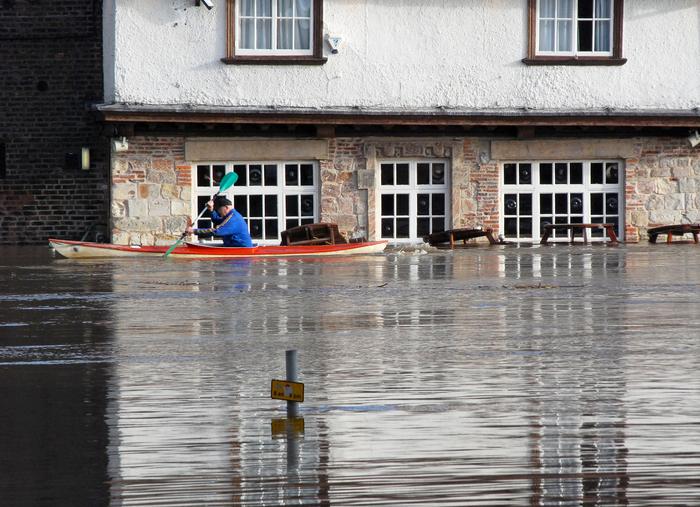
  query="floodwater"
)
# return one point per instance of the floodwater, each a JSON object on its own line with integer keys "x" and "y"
{"x": 485, "y": 376}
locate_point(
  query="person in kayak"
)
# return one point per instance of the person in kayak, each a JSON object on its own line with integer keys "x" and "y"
{"x": 229, "y": 224}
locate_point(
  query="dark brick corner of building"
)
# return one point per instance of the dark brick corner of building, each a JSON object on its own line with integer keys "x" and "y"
{"x": 50, "y": 74}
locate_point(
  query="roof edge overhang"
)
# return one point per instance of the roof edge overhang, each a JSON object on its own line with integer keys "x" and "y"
{"x": 136, "y": 113}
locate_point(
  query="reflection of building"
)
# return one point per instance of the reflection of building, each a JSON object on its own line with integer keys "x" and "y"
{"x": 575, "y": 377}
{"x": 536, "y": 116}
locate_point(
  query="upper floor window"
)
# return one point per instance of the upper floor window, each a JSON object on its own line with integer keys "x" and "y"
{"x": 274, "y": 31}
{"x": 575, "y": 32}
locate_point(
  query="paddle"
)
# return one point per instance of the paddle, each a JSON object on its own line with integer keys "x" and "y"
{"x": 226, "y": 182}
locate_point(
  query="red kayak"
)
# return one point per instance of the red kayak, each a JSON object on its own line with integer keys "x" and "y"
{"x": 84, "y": 250}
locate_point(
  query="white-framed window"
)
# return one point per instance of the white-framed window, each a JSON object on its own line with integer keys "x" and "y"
{"x": 271, "y": 196}
{"x": 274, "y": 27}
{"x": 534, "y": 194}
{"x": 413, "y": 199}
{"x": 575, "y": 27}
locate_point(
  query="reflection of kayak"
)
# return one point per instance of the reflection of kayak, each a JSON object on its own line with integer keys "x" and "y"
{"x": 83, "y": 250}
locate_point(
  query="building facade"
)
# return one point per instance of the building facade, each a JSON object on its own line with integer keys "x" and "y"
{"x": 50, "y": 78}
{"x": 398, "y": 120}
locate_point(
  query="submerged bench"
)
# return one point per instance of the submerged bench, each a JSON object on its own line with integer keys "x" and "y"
{"x": 583, "y": 228}
{"x": 313, "y": 234}
{"x": 674, "y": 230}
{"x": 453, "y": 235}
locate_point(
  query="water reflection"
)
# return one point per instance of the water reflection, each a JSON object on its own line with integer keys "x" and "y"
{"x": 506, "y": 375}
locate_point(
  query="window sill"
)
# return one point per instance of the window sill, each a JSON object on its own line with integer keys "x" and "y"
{"x": 572, "y": 60}
{"x": 275, "y": 60}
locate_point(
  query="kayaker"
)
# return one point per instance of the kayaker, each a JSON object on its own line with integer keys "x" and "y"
{"x": 229, "y": 224}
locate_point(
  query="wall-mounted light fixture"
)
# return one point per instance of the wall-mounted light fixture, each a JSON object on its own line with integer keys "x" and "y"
{"x": 335, "y": 42}
{"x": 85, "y": 159}
{"x": 120, "y": 145}
{"x": 694, "y": 139}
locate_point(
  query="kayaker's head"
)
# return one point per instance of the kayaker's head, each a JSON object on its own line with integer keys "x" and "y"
{"x": 222, "y": 205}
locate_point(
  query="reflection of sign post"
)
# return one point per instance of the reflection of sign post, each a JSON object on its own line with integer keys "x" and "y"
{"x": 283, "y": 427}
{"x": 287, "y": 390}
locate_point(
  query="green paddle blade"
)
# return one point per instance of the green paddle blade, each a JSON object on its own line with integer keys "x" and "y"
{"x": 227, "y": 182}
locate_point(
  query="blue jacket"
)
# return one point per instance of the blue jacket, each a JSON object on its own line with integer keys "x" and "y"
{"x": 231, "y": 228}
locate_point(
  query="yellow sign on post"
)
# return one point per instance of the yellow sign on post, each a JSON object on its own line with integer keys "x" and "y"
{"x": 287, "y": 390}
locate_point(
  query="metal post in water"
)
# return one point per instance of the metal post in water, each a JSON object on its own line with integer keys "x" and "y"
{"x": 292, "y": 375}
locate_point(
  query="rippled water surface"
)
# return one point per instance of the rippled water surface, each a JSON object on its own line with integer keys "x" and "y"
{"x": 486, "y": 376}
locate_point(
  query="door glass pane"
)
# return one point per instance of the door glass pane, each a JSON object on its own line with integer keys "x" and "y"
{"x": 307, "y": 205}
{"x": 307, "y": 174}
{"x": 256, "y": 205}
{"x": 525, "y": 204}
{"x": 201, "y": 204}
{"x": 387, "y": 227}
{"x": 525, "y": 227}
{"x": 611, "y": 204}
{"x": 387, "y": 204}
{"x": 423, "y": 204}
{"x": 438, "y": 204}
{"x": 255, "y": 175}
{"x": 270, "y": 205}
{"x": 423, "y": 172}
{"x": 611, "y": 173}
{"x": 576, "y": 173}
{"x": 291, "y": 174}
{"x": 560, "y": 204}
{"x": 402, "y": 205}
{"x": 290, "y": 223}
{"x": 387, "y": 171}
{"x": 576, "y": 204}
{"x": 256, "y": 228}
{"x": 511, "y": 227}
{"x": 510, "y": 202}
{"x": 510, "y": 176}
{"x": 423, "y": 225}
{"x": 203, "y": 176}
{"x": 240, "y": 204}
{"x": 438, "y": 174}
{"x": 403, "y": 228}
{"x": 271, "y": 231}
{"x": 438, "y": 224}
{"x": 525, "y": 174}
{"x": 560, "y": 174}
{"x": 270, "y": 175}
{"x": 596, "y": 204}
{"x": 546, "y": 204}
{"x": 240, "y": 170}
{"x": 291, "y": 203}
{"x": 402, "y": 174}
{"x": 218, "y": 172}
{"x": 596, "y": 174}
{"x": 545, "y": 174}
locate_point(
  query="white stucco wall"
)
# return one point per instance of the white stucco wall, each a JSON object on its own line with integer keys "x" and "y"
{"x": 404, "y": 54}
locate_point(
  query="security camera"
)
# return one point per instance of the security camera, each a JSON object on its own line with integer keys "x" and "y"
{"x": 207, "y": 3}
{"x": 334, "y": 42}
{"x": 694, "y": 139}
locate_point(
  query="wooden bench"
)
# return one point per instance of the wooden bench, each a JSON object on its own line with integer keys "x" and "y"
{"x": 453, "y": 235}
{"x": 583, "y": 228}
{"x": 313, "y": 234}
{"x": 674, "y": 230}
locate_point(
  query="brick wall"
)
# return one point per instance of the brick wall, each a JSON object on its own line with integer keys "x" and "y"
{"x": 50, "y": 71}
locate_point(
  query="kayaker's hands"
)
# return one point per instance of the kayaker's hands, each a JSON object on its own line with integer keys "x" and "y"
{"x": 189, "y": 230}
{"x": 210, "y": 205}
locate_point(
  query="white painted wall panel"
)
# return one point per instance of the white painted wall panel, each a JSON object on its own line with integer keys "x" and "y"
{"x": 405, "y": 54}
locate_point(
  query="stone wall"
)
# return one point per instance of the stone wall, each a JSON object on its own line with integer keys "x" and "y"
{"x": 662, "y": 185}
{"x": 151, "y": 191}
{"x": 152, "y": 187}
{"x": 50, "y": 73}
